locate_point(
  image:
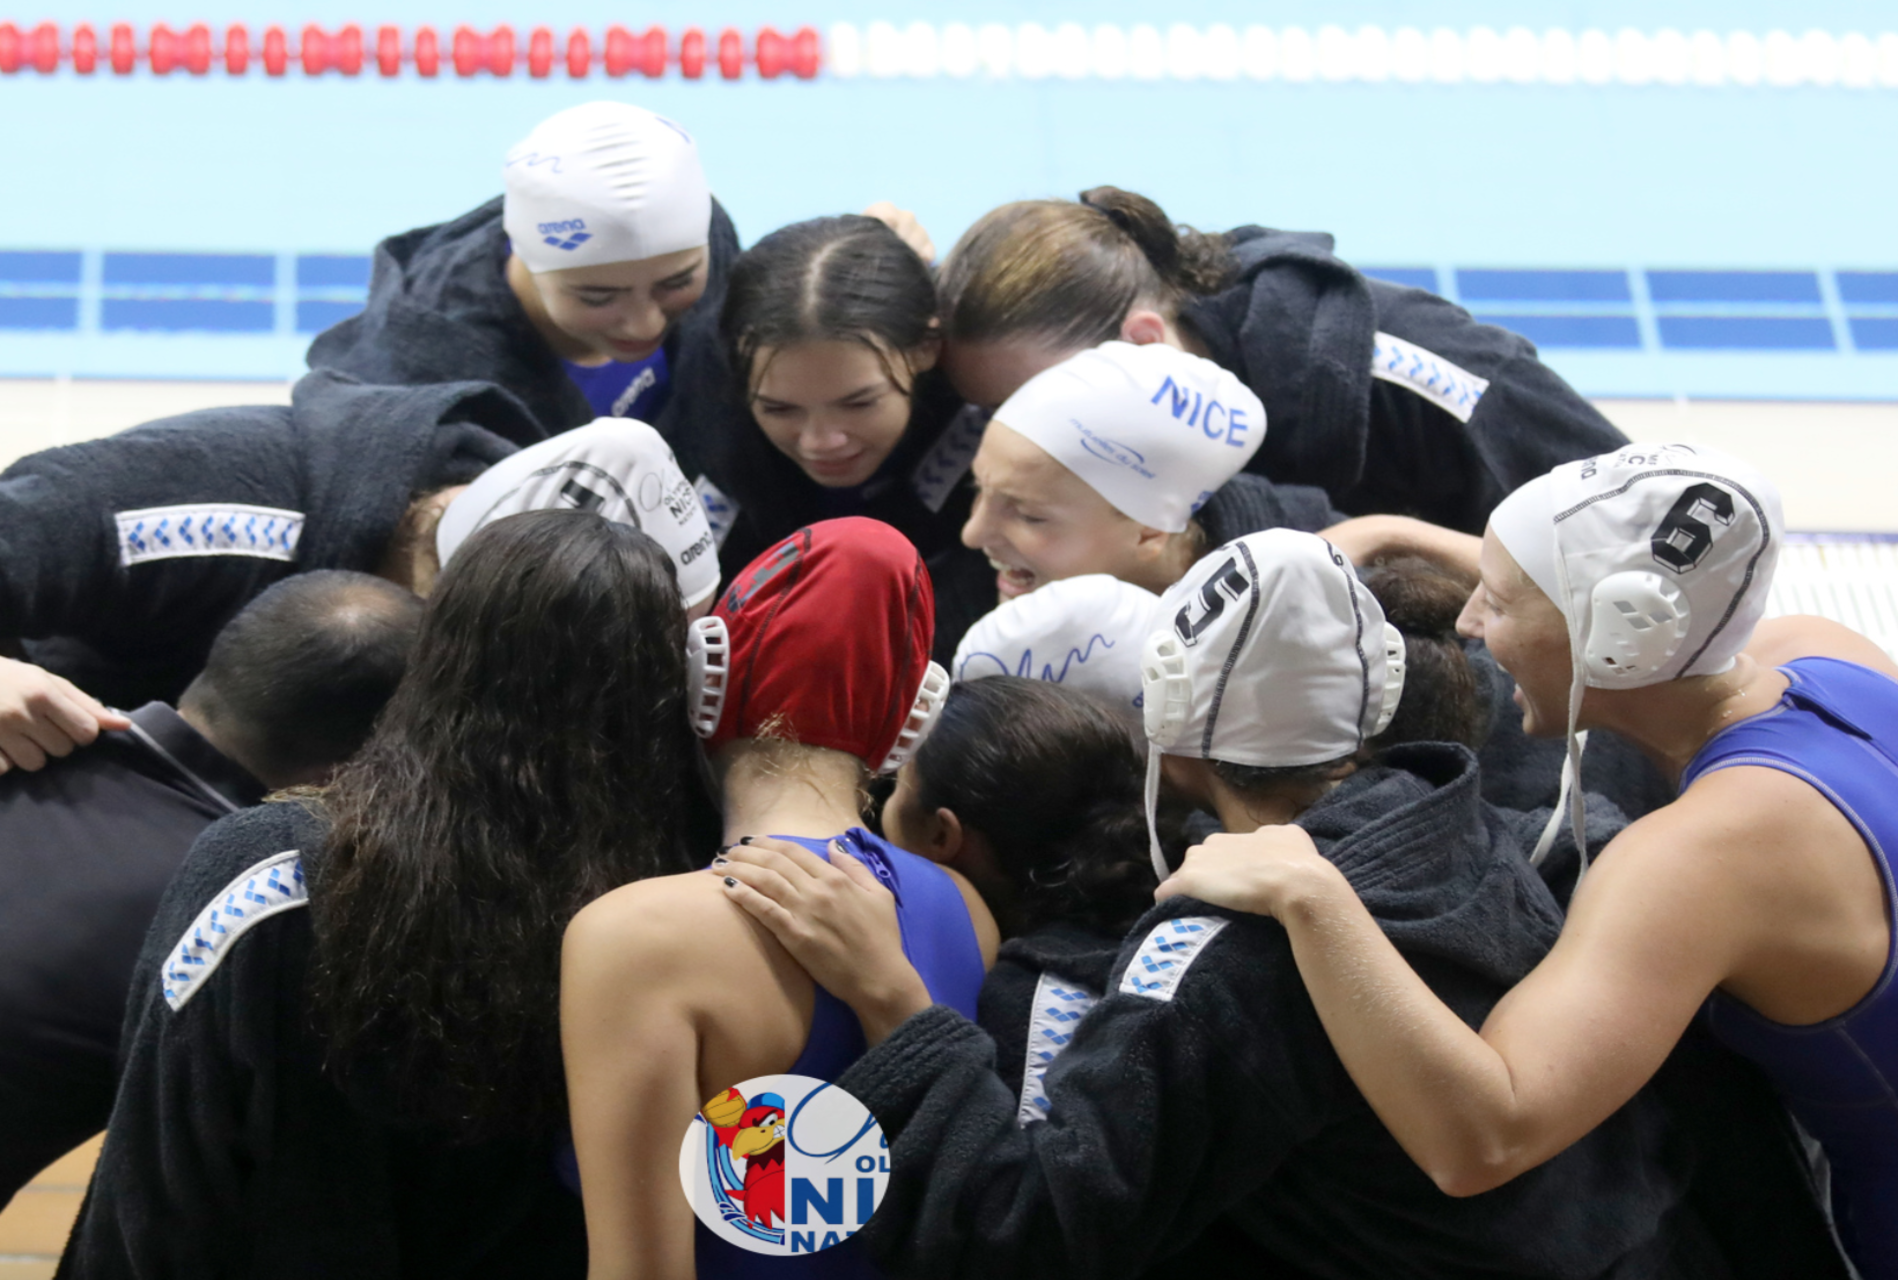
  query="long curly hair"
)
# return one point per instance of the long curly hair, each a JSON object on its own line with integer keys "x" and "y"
{"x": 536, "y": 754}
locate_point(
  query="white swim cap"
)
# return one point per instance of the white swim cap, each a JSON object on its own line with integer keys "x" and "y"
{"x": 1660, "y": 557}
{"x": 1150, "y": 428}
{"x": 1083, "y": 632}
{"x": 1606, "y": 538}
{"x": 604, "y": 182}
{"x": 1269, "y": 652}
{"x": 618, "y": 467}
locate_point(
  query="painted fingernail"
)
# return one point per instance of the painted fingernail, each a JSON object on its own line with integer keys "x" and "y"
{"x": 744, "y": 840}
{"x": 719, "y": 862}
{"x": 730, "y": 883}
{"x": 725, "y": 848}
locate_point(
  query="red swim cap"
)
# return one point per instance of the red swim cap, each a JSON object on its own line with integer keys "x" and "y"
{"x": 825, "y": 641}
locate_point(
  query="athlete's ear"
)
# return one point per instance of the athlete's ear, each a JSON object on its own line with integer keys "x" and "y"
{"x": 945, "y": 836}
{"x": 922, "y": 357}
{"x": 1150, "y": 544}
{"x": 1143, "y": 327}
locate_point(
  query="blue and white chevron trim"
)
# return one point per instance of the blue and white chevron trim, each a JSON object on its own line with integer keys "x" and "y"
{"x": 210, "y": 529}
{"x": 1059, "y": 1007}
{"x": 1453, "y": 390}
{"x": 947, "y": 461}
{"x": 274, "y": 885}
{"x": 721, "y": 513}
{"x": 1166, "y": 955}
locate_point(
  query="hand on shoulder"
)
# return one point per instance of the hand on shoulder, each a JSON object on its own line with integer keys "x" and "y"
{"x": 43, "y": 715}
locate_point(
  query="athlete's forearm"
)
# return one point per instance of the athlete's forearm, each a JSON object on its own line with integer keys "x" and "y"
{"x": 1365, "y": 538}
{"x": 1444, "y": 1093}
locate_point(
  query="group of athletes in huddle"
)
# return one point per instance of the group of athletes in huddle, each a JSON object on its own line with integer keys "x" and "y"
{"x": 1087, "y": 668}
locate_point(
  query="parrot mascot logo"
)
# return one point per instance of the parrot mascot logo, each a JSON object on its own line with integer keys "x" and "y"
{"x": 754, "y": 1133}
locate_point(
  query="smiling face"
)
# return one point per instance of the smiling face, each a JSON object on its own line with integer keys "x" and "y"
{"x": 612, "y": 311}
{"x": 1527, "y": 636}
{"x": 835, "y": 407}
{"x": 1038, "y": 522}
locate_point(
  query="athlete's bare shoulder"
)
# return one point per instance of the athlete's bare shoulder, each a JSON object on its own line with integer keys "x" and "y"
{"x": 669, "y": 925}
{"x": 1778, "y": 641}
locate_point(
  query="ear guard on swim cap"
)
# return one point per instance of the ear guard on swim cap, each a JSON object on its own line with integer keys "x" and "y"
{"x": 1637, "y": 621}
{"x": 1166, "y": 690}
{"x": 707, "y": 671}
{"x": 921, "y": 718}
{"x": 1395, "y": 656}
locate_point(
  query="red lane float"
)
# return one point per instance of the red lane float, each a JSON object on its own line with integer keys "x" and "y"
{"x": 124, "y": 51}
{"x": 496, "y": 53}
{"x": 236, "y": 49}
{"x": 85, "y": 49}
{"x": 276, "y": 51}
{"x": 692, "y": 53}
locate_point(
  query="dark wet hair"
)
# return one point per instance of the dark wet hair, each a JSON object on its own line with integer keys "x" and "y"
{"x": 844, "y": 279}
{"x": 536, "y": 755}
{"x": 1068, "y": 273}
{"x": 1053, "y": 781}
{"x": 294, "y": 681}
{"x": 1441, "y": 702}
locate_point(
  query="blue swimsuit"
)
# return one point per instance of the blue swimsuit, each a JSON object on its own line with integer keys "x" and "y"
{"x": 1836, "y": 728}
{"x": 940, "y": 941}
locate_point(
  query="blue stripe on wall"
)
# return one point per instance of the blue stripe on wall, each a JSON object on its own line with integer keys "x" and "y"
{"x": 257, "y": 270}
{"x": 40, "y": 268}
{"x": 316, "y": 316}
{"x": 1734, "y": 286}
{"x": 39, "y": 313}
{"x": 332, "y": 271}
{"x": 1868, "y": 286}
{"x": 1543, "y": 286}
{"x": 1618, "y": 332}
{"x": 183, "y": 315}
{"x": 1746, "y": 333}
{"x": 1880, "y": 334}
{"x": 1412, "y": 277}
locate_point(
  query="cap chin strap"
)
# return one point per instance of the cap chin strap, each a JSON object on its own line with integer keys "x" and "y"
{"x": 1570, "y": 797}
{"x": 921, "y": 718}
{"x": 1166, "y": 703}
{"x": 707, "y": 672}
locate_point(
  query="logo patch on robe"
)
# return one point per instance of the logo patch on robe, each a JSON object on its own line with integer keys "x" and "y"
{"x": 1167, "y": 953}
{"x": 1453, "y": 390}
{"x": 272, "y": 886}
{"x": 208, "y": 529}
{"x": 1059, "y": 1007}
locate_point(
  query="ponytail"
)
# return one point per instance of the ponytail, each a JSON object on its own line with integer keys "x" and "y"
{"x": 1186, "y": 261}
{"x": 1067, "y": 274}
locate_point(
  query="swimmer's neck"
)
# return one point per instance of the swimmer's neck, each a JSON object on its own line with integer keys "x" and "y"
{"x": 1672, "y": 721}
{"x": 782, "y": 789}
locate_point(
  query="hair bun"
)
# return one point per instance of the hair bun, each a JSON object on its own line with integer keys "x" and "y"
{"x": 1189, "y": 261}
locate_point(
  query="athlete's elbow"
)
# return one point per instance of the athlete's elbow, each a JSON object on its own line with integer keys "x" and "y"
{"x": 1472, "y": 1168}
{"x": 1460, "y": 1181}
